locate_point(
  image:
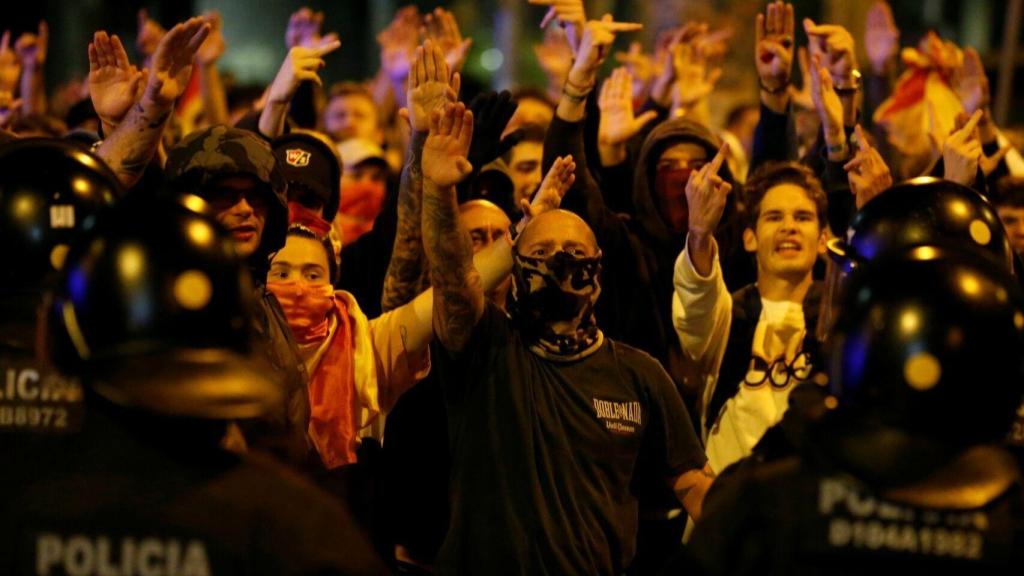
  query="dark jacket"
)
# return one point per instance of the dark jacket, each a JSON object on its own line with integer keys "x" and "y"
{"x": 639, "y": 254}
{"x": 191, "y": 165}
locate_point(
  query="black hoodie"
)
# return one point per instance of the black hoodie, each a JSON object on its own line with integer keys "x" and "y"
{"x": 639, "y": 254}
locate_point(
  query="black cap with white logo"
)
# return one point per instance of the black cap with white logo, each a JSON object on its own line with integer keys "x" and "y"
{"x": 311, "y": 167}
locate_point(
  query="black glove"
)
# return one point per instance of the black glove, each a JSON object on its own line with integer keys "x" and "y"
{"x": 491, "y": 113}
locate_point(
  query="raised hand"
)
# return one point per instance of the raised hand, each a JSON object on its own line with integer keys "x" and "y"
{"x": 641, "y": 67}
{"x": 713, "y": 45}
{"x": 554, "y": 55}
{"x": 556, "y": 183}
{"x": 149, "y": 34}
{"x": 598, "y": 36}
{"x": 442, "y": 27}
{"x": 214, "y": 46}
{"x": 706, "y": 194}
{"x": 304, "y": 30}
{"x": 881, "y": 36}
{"x": 961, "y": 151}
{"x": 665, "y": 48}
{"x": 492, "y": 112}
{"x": 32, "y": 48}
{"x": 444, "y": 161}
{"x": 300, "y": 65}
{"x": 867, "y": 173}
{"x": 398, "y": 42}
{"x": 10, "y": 67}
{"x": 570, "y": 15}
{"x": 172, "y": 61}
{"x": 773, "y": 52}
{"x": 430, "y": 85}
{"x": 618, "y": 123}
{"x": 970, "y": 82}
{"x": 830, "y": 110}
{"x": 114, "y": 83}
{"x": 835, "y": 46}
{"x": 694, "y": 82}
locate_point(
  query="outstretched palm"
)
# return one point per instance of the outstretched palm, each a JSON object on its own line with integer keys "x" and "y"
{"x": 429, "y": 87}
{"x": 172, "y": 62}
{"x": 112, "y": 80}
{"x": 444, "y": 152}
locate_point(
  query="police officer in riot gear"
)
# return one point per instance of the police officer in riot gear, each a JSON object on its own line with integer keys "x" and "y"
{"x": 905, "y": 469}
{"x": 49, "y": 192}
{"x": 152, "y": 312}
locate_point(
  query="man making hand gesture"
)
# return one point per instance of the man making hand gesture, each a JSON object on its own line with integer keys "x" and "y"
{"x": 547, "y": 417}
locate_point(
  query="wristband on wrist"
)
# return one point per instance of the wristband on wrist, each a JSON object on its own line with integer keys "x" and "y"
{"x": 851, "y": 86}
{"x": 576, "y": 93}
{"x": 837, "y": 149}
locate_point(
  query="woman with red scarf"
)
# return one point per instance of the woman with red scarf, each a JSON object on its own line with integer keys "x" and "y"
{"x": 357, "y": 367}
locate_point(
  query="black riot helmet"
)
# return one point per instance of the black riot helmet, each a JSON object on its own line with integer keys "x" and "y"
{"x": 916, "y": 212}
{"x": 49, "y": 192}
{"x": 923, "y": 211}
{"x": 153, "y": 311}
{"x": 927, "y": 359}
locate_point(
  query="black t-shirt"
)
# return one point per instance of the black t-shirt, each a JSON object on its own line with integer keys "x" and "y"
{"x": 134, "y": 494}
{"x": 795, "y": 516}
{"x": 544, "y": 453}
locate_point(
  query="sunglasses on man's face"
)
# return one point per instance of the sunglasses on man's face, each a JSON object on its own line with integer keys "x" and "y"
{"x": 222, "y": 198}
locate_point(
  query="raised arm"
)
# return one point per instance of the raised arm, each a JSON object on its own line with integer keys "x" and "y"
{"x": 458, "y": 292}
{"x": 215, "y": 101}
{"x": 32, "y": 49}
{"x": 114, "y": 83}
{"x": 565, "y": 135}
{"x": 774, "y": 137}
{"x": 706, "y": 194}
{"x": 301, "y": 64}
{"x": 429, "y": 89}
{"x": 617, "y": 124}
{"x": 131, "y": 146}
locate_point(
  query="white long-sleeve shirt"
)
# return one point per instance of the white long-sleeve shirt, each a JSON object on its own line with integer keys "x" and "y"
{"x": 702, "y": 317}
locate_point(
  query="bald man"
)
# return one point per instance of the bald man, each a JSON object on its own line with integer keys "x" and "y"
{"x": 552, "y": 426}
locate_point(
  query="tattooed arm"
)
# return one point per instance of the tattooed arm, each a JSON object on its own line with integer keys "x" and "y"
{"x": 131, "y": 146}
{"x": 458, "y": 292}
{"x": 429, "y": 90}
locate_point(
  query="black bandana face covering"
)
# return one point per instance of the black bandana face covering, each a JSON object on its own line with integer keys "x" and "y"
{"x": 553, "y": 302}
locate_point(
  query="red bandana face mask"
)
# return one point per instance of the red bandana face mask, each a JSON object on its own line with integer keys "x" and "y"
{"x": 306, "y": 306}
{"x": 670, "y": 195}
{"x": 360, "y": 204}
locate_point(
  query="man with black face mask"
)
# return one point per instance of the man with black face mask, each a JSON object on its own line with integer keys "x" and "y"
{"x": 549, "y": 421}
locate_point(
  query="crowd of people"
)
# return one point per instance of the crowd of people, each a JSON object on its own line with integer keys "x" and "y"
{"x": 409, "y": 326}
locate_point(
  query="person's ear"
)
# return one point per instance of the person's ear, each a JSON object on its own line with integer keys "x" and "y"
{"x": 749, "y": 240}
{"x": 823, "y": 240}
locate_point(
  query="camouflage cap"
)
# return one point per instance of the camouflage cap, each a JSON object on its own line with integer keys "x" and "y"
{"x": 221, "y": 150}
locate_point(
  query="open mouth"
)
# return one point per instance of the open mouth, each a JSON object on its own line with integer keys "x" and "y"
{"x": 788, "y": 247}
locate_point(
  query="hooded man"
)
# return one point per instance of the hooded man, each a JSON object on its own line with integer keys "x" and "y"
{"x": 236, "y": 173}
